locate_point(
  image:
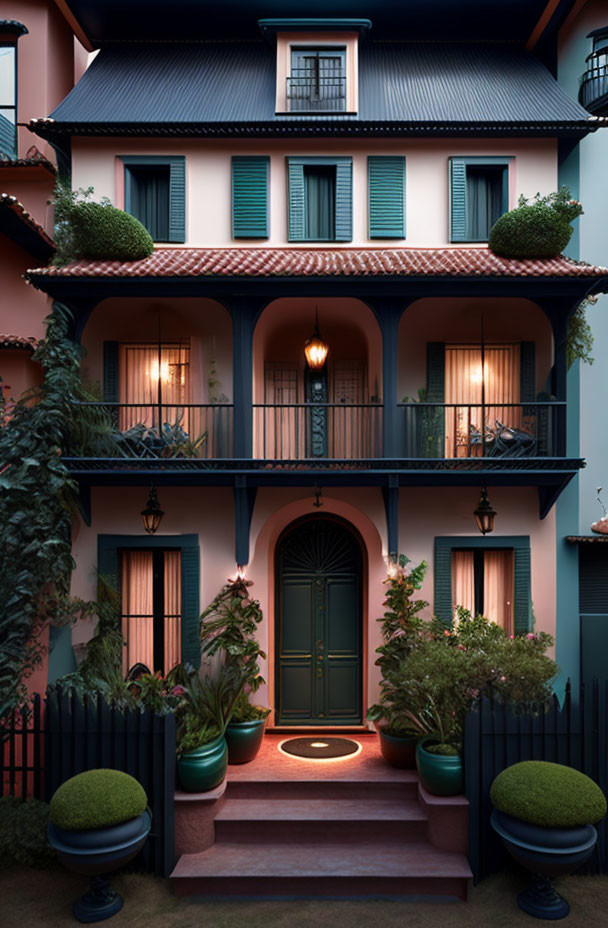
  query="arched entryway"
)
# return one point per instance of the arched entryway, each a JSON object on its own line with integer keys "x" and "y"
{"x": 319, "y": 623}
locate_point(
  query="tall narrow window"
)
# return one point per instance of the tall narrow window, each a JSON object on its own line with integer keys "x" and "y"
{"x": 317, "y": 80}
{"x": 320, "y": 200}
{"x": 151, "y": 608}
{"x": 483, "y": 582}
{"x": 8, "y": 100}
{"x": 149, "y": 198}
{"x": 147, "y": 375}
{"x": 484, "y": 200}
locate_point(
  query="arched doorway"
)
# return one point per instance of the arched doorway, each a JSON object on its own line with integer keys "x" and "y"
{"x": 319, "y": 623}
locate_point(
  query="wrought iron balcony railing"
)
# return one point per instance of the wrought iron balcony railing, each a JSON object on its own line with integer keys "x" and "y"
{"x": 301, "y": 431}
{"x": 593, "y": 91}
{"x": 497, "y": 430}
{"x": 315, "y": 91}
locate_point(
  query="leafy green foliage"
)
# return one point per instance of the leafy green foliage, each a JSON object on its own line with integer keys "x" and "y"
{"x": 580, "y": 337}
{"x": 549, "y": 795}
{"x": 23, "y": 832}
{"x": 401, "y": 627}
{"x": 540, "y": 229}
{"x": 97, "y": 231}
{"x": 194, "y": 733}
{"x": 97, "y": 799}
{"x": 207, "y": 707}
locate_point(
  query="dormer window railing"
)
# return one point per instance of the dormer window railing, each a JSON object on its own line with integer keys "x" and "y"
{"x": 317, "y": 82}
{"x": 593, "y": 92}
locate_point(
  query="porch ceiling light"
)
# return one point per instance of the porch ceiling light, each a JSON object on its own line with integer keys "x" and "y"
{"x": 152, "y": 514}
{"x": 484, "y": 514}
{"x": 315, "y": 349}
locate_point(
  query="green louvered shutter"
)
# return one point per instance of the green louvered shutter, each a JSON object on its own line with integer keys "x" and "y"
{"x": 458, "y": 200}
{"x": 386, "y": 179}
{"x": 521, "y": 590}
{"x": 296, "y": 201}
{"x": 191, "y": 648}
{"x": 177, "y": 199}
{"x": 110, "y": 372}
{"x": 431, "y": 437}
{"x": 250, "y": 177}
{"x": 443, "y": 581}
{"x": 107, "y": 560}
{"x": 8, "y": 138}
{"x": 527, "y": 373}
{"x": 344, "y": 200}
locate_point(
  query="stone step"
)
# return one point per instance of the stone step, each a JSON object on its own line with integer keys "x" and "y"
{"x": 389, "y": 787}
{"x": 311, "y": 820}
{"x": 328, "y": 869}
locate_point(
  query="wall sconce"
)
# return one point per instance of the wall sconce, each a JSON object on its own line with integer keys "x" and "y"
{"x": 484, "y": 514}
{"x": 152, "y": 514}
{"x": 315, "y": 349}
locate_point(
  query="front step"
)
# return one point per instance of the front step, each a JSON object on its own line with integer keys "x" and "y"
{"x": 332, "y": 869}
{"x": 312, "y": 820}
{"x": 405, "y": 786}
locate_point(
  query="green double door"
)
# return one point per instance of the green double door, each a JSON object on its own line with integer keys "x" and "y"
{"x": 319, "y": 624}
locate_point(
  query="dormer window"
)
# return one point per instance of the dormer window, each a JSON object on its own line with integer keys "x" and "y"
{"x": 593, "y": 92}
{"x": 317, "y": 82}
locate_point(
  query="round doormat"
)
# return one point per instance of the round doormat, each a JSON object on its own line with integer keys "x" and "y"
{"x": 318, "y": 747}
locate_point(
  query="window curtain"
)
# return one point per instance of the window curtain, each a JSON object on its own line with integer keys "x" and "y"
{"x": 172, "y": 608}
{"x": 497, "y": 603}
{"x": 137, "y": 608}
{"x": 320, "y": 200}
{"x": 463, "y": 381}
{"x": 463, "y": 581}
{"x": 138, "y": 375}
{"x": 484, "y": 200}
{"x": 349, "y": 428}
{"x": 150, "y": 199}
{"x": 282, "y": 432}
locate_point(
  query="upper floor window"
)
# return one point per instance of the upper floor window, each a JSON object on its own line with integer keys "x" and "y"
{"x": 479, "y": 195}
{"x": 8, "y": 100}
{"x": 320, "y": 199}
{"x": 155, "y": 193}
{"x": 317, "y": 82}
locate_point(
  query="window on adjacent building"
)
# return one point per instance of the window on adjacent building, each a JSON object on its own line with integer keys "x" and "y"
{"x": 151, "y": 597}
{"x": 320, "y": 199}
{"x": 8, "y": 100}
{"x": 318, "y": 80}
{"x": 482, "y": 582}
{"x": 155, "y": 193}
{"x": 479, "y": 195}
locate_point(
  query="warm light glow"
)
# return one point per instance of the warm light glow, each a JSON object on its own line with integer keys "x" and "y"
{"x": 240, "y": 572}
{"x": 164, "y": 371}
{"x": 320, "y": 760}
{"x": 475, "y": 374}
{"x": 318, "y": 744}
{"x": 316, "y": 351}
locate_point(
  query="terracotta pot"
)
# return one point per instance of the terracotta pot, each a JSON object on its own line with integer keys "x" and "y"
{"x": 398, "y": 752}
{"x": 440, "y": 774}
{"x": 204, "y": 768}
{"x": 244, "y": 740}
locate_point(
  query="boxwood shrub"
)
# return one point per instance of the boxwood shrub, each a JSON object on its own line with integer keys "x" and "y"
{"x": 23, "y": 832}
{"x": 550, "y": 795}
{"x": 97, "y": 799}
{"x": 540, "y": 229}
{"x": 103, "y": 232}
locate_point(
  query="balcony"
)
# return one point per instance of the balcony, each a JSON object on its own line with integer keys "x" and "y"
{"x": 317, "y": 431}
{"x": 593, "y": 91}
{"x": 313, "y": 91}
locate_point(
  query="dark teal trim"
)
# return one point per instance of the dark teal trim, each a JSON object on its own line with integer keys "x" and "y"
{"x": 458, "y": 191}
{"x": 270, "y": 27}
{"x": 61, "y": 655}
{"x": 343, "y": 196}
{"x": 250, "y": 196}
{"x": 442, "y": 576}
{"x": 386, "y": 196}
{"x": 177, "y": 189}
{"x": 108, "y": 547}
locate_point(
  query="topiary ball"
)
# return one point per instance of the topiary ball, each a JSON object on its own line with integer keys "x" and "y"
{"x": 535, "y": 231}
{"x": 549, "y": 795}
{"x": 97, "y": 799}
{"x": 103, "y": 232}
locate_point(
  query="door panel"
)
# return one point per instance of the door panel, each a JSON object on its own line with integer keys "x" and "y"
{"x": 319, "y": 624}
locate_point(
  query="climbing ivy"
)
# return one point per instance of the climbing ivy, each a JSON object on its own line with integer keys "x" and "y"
{"x": 37, "y": 501}
{"x": 580, "y": 337}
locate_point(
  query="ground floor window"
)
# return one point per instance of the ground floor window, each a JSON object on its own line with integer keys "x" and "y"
{"x": 151, "y": 598}
{"x": 482, "y": 582}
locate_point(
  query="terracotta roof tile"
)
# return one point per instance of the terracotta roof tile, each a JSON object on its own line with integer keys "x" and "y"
{"x": 323, "y": 262}
{"x": 14, "y": 205}
{"x": 33, "y": 158}
{"x": 19, "y": 341}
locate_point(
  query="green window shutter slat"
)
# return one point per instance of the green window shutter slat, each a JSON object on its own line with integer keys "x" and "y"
{"x": 344, "y": 200}
{"x": 443, "y": 581}
{"x": 458, "y": 200}
{"x": 521, "y": 591}
{"x": 296, "y": 201}
{"x": 250, "y": 181}
{"x": 191, "y": 649}
{"x": 527, "y": 373}
{"x": 8, "y": 137}
{"x": 386, "y": 180}
{"x": 177, "y": 200}
{"x": 432, "y": 420}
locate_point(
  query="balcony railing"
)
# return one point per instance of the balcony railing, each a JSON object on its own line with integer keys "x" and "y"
{"x": 310, "y": 91}
{"x": 498, "y": 430}
{"x": 593, "y": 92}
{"x": 132, "y": 430}
{"x": 301, "y": 431}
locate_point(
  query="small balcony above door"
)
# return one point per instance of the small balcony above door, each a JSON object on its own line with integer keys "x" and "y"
{"x": 317, "y": 83}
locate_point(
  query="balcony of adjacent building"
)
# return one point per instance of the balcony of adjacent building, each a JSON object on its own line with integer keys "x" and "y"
{"x": 593, "y": 91}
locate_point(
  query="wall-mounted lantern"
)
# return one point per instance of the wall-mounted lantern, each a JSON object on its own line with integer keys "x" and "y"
{"x": 152, "y": 514}
{"x": 315, "y": 349}
{"x": 484, "y": 514}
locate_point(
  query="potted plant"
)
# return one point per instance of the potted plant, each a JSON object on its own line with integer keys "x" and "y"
{"x": 545, "y": 815}
{"x": 98, "y": 821}
{"x": 228, "y": 628}
{"x": 401, "y": 626}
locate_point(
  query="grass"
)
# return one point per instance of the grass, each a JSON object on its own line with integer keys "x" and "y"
{"x": 43, "y": 898}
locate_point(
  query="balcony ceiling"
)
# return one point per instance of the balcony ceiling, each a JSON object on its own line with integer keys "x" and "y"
{"x": 104, "y": 21}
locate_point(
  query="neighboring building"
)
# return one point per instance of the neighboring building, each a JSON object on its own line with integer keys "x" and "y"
{"x": 332, "y": 173}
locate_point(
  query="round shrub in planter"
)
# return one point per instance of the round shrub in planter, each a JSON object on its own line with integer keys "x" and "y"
{"x": 98, "y": 822}
{"x": 540, "y": 229}
{"x": 545, "y": 815}
{"x": 440, "y": 767}
{"x": 103, "y": 232}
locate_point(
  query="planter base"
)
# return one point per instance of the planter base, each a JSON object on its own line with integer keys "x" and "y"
{"x": 99, "y": 903}
{"x": 543, "y": 901}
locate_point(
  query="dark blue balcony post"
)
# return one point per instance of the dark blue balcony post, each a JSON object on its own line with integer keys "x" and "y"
{"x": 391, "y": 508}
{"x": 244, "y": 501}
{"x": 389, "y": 313}
{"x": 244, "y": 314}
{"x": 559, "y": 312}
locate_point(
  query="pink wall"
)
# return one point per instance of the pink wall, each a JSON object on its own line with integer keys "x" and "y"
{"x": 18, "y": 372}
{"x": 34, "y": 188}
{"x": 209, "y": 181}
{"x": 22, "y": 307}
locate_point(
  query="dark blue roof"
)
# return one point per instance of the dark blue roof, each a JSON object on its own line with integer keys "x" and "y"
{"x": 234, "y": 83}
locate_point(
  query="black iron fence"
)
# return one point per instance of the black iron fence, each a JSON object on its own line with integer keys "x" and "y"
{"x": 496, "y": 736}
{"x": 22, "y": 756}
{"x": 300, "y": 431}
{"x": 317, "y": 89}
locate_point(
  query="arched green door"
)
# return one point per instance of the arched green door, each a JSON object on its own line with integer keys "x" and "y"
{"x": 319, "y": 624}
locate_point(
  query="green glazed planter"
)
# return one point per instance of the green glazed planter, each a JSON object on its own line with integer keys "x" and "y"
{"x": 398, "y": 752}
{"x": 441, "y": 775}
{"x": 244, "y": 740}
{"x": 204, "y": 768}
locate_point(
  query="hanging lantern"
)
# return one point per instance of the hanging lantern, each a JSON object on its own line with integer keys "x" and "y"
{"x": 152, "y": 514}
{"x": 484, "y": 514}
{"x": 315, "y": 349}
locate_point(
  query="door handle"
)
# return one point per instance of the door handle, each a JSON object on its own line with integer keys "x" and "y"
{"x": 319, "y": 671}
{"x": 320, "y": 657}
